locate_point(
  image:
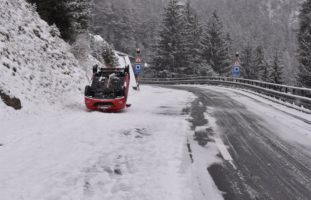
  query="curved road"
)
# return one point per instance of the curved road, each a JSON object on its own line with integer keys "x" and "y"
{"x": 265, "y": 164}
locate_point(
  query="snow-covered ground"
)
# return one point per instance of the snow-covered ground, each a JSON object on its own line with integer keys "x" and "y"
{"x": 75, "y": 154}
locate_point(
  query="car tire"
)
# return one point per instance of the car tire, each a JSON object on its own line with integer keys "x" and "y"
{"x": 88, "y": 91}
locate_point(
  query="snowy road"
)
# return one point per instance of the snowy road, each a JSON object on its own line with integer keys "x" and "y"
{"x": 269, "y": 146}
{"x": 161, "y": 148}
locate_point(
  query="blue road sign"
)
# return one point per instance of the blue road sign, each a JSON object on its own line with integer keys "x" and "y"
{"x": 138, "y": 69}
{"x": 236, "y": 70}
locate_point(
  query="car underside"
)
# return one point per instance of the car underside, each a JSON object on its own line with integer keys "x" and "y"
{"x": 108, "y": 90}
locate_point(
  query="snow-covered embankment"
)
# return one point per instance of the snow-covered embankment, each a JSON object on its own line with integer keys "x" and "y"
{"x": 36, "y": 66}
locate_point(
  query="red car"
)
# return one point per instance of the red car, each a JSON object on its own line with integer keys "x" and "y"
{"x": 109, "y": 89}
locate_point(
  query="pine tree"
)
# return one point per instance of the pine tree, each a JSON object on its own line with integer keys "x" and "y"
{"x": 170, "y": 47}
{"x": 79, "y": 14}
{"x": 70, "y": 16}
{"x": 277, "y": 69}
{"x": 215, "y": 47}
{"x": 115, "y": 24}
{"x": 304, "y": 41}
{"x": 229, "y": 43}
{"x": 192, "y": 34}
{"x": 124, "y": 39}
{"x": 103, "y": 52}
{"x": 266, "y": 73}
{"x": 259, "y": 63}
{"x": 247, "y": 71}
{"x": 54, "y": 12}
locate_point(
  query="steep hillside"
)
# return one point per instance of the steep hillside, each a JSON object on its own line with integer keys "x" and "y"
{"x": 35, "y": 64}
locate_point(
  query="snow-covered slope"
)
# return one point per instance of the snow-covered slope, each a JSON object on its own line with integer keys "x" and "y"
{"x": 35, "y": 64}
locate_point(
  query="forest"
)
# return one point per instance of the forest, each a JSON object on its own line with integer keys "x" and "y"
{"x": 199, "y": 37}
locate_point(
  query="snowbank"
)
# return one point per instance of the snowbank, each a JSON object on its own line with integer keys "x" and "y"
{"x": 35, "y": 64}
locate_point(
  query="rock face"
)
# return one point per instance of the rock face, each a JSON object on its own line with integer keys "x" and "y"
{"x": 35, "y": 64}
{"x": 9, "y": 101}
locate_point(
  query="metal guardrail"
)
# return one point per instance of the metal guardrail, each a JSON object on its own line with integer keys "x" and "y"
{"x": 295, "y": 95}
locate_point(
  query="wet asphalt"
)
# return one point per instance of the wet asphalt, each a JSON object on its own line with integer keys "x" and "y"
{"x": 267, "y": 167}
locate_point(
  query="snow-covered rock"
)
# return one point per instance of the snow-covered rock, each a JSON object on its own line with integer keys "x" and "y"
{"x": 36, "y": 66}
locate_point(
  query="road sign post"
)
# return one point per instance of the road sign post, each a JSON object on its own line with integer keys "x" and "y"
{"x": 236, "y": 69}
{"x": 138, "y": 66}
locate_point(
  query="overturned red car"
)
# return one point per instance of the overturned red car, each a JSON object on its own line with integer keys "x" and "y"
{"x": 109, "y": 89}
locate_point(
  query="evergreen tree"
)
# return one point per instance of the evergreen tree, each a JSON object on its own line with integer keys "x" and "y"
{"x": 192, "y": 40}
{"x": 124, "y": 39}
{"x": 70, "y": 16}
{"x": 229, "y": 42}
{"x": 215, "y": 46}
{"x": 266, "y": 73}
{"x": 247, "y": 57}
{"x": 54, "y": 12}
{"x": 277, "y": 69}
{"x": 116, "y": 25}
{"x": 170, "y": 48}
{"x": 304, "y": 41}
{"x": 259, "y": 63}
{"x": 79, "y": 14}
{"x": 103, "y": 52}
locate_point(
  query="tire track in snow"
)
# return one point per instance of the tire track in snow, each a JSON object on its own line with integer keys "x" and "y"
{"x": 267, "y": 166}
